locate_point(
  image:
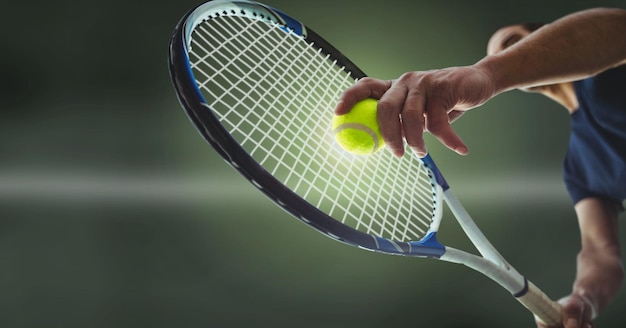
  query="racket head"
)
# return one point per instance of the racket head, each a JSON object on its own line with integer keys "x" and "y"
{"x": 223, "y": 88}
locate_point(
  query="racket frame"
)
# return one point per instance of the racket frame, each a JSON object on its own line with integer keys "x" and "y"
{"x": 208, "y": 125}
{"x": 492, "y": 264}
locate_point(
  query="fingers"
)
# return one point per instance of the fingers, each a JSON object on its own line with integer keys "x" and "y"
{"x": 365, "y": 88}
{"x": 406, "y": 108}
{"x": 455, "y": 115}
{"x": 572, "y": 314}
{"x": 413, "y": 121}
{"x": 426, "y": 109}
{"x": 391, "y": 101}
{"x": 389, "y": 110}
{"x": 576, "y": 312}
{"x": 438, "y": 124}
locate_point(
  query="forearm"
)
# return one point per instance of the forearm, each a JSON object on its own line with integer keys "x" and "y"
{"x": 574, "y": 47}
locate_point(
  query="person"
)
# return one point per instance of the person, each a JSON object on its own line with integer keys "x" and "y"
{"x": 579, "y": 61}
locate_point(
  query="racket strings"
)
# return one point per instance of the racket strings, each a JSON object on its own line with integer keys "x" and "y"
{"x": 274, "y": 92}
{"x": 286, "y": 90}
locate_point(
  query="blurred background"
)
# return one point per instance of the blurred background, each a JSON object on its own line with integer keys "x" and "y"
{"x": 114, "y": 212}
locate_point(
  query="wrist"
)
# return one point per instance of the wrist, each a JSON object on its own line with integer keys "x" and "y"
{"x": 599, "y": 276}
{"x": 498, "y": 72}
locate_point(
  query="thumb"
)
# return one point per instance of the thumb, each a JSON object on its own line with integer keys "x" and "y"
{"x": 577, "y": 311}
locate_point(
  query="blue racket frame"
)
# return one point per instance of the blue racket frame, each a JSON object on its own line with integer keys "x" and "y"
{"x": 216, "y": 135}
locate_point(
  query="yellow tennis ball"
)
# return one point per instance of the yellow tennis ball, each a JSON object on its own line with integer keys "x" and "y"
{"x": 357, "y": 131}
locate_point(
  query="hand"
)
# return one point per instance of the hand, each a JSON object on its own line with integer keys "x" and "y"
{"x": 422, "y": 101}
{"x": 577, "y": 312}
{"x": 600, "y": 272}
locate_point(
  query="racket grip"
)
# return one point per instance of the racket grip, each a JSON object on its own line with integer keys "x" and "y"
{"x": 545, "y": 309}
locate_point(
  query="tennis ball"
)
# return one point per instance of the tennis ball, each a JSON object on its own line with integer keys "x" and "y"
{"x": 357, "y": 131}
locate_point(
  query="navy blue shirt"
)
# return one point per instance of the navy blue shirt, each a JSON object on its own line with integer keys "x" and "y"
{"x": 595, "y": 164}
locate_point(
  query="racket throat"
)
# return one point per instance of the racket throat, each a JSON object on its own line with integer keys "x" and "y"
{"x": 427, "y": 246}
{"x": 505, "y": 275}
{"x": 475, "y": 235}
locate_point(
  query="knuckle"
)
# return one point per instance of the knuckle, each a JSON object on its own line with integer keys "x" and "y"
{"x": 438, "y": 127}
{"x": 412, "y": 115}
{"x": 389, "y": 109}
{"x": 372, "y": 83}
{"x": 384, "y": 105}
{"x": 367, "y": 80}
{"x": 410, "y": 77}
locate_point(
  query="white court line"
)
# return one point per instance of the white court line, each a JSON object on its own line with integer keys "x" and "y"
{"x": 223, "y": 189}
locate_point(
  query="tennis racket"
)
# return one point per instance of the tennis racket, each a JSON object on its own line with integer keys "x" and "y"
{"x": 260, "y": 88}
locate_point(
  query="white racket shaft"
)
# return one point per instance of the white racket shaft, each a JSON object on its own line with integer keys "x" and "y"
{"x": 494, "y": 266}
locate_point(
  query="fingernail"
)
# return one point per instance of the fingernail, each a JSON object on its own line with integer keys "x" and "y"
{"x": 419, "y": 153}
{"x": 461, "y": 150}
{"x": 338, "y": 102}
{"x": 396, "y": 152}
{"x": 571, "y": 323}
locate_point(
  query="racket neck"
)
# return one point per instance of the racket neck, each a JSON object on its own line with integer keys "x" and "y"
{"x": 472, "y": 231}
{"x": 507, "y": 277}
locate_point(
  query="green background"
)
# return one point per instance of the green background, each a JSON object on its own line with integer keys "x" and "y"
{"x": 115, "y": 213}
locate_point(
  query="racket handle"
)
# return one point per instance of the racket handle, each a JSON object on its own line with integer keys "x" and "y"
{"x": 541, "y": 305}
